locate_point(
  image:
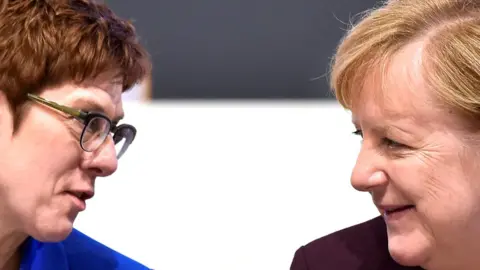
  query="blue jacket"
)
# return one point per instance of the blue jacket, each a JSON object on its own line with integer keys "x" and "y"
{"x": 77, "y": 252}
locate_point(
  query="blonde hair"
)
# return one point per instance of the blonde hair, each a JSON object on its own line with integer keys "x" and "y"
{"x": 450, "y": 31}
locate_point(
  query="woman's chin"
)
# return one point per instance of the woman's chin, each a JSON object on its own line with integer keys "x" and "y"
{"x": 407, "y": 253}
{"x": 406, "y": 257}
{"x": 52, "y": 232}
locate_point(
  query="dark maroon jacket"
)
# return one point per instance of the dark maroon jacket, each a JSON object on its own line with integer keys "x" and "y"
{"x": 360, "y": 247}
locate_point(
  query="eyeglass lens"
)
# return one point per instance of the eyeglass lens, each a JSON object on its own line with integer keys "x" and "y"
{"x": 123, "y": 137}
{"x": 94, "y": 133}
{"x": 98, "y": 128}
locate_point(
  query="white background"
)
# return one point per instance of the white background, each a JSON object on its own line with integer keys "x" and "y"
{"x": 228, "y": 186}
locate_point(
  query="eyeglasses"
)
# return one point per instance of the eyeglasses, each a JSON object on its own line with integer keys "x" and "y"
{"x": 96, "y": 128}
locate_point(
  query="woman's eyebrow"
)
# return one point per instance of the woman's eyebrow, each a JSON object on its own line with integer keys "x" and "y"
{"x": 93, "y": 105}
{"x": 87, "y": 103}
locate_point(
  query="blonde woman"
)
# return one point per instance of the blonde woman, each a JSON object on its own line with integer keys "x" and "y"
{"x": 409, "y": 72}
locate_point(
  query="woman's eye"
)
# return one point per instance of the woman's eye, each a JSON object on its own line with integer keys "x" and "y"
{"x": 392, "y": 144}
{"x": 358, "y": 132}
{"x": 389, "y": 143}
{"x": 385, "y": 141}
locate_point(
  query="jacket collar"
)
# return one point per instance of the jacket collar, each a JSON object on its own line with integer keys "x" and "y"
{"x": 38, "y": 256}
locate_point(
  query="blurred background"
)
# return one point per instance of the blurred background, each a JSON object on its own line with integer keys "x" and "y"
{"x": 242, "y": 154}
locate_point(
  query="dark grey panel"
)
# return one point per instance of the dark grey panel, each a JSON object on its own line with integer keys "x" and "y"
{"x": 240, "y": 48}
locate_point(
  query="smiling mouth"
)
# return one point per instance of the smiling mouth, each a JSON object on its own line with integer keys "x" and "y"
{"x": 399, "y": 209}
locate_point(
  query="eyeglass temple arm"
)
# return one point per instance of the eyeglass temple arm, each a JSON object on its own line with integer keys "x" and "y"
{"x": 65, "y": 109}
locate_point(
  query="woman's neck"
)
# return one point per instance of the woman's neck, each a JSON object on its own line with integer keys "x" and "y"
{"x": 10, "y": 255}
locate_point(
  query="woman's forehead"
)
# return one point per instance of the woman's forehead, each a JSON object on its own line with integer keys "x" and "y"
{"x": 395, "y": 88}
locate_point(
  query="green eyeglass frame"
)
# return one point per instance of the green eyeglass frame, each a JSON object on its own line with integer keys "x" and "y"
{"x": 97, "y": 127}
